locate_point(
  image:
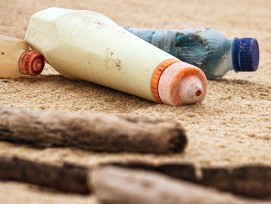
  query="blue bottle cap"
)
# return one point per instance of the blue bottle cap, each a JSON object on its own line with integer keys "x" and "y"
{"x": 245, "y": 54}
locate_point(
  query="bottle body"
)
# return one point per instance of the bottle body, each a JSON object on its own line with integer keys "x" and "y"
{"x": 203, "y": 47}
{"x": 87, "y": 45}
{"x": 11, "y": 50}
{"x": 16, "y": 60}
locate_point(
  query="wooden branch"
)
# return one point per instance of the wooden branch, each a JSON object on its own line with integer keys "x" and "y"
{"x": 97, "y": 132}
{"x": 115, "y": 185}
{"x": 184, "y": 171}
{"x": 16, "y": 193}
{"x": 248, "y": 180}
{"x": 74, "y": 178}
{"x": 66, "y": 178}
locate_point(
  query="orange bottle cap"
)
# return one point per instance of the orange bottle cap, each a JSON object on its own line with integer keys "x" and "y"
{"x": 157, "y": 74}
{"x": 31, "y": 63}
{"x": 179, "y": 83}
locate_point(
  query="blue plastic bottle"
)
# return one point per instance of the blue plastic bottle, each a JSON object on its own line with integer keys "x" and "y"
{"x": 206, "y": 48}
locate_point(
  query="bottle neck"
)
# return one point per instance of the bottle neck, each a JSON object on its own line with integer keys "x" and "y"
{"x": 229, "y": 56}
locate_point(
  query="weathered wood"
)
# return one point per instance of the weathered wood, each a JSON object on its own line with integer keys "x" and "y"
{"x": 66, "y": 178}
{"x": 115, "y": 185}
{"x": 72, "y": 178}
{"x": 184, "y": 171}
{"x": 97, "y": 132}
{"x": 247, "y": 180}
{"x": 18, "y": 193}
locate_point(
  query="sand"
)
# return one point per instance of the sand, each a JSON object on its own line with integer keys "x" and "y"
{"x": 232, "y": 127}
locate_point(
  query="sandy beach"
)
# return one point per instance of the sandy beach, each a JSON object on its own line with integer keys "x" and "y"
{"x": 232, "y": 127}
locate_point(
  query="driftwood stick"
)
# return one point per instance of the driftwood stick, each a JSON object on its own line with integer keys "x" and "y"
{"x": 74, "y": 178}
{"x": 97, "y": 132}
{"x": 184, "y": 171}
{"x": 66, "y": 178}
{"x": 115, "y": 185}
{"x": 247, "y": 180}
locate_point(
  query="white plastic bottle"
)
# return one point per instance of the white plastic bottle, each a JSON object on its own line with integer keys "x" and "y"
{"x": 87, "y": 45}
{"x": 17, "y": 60}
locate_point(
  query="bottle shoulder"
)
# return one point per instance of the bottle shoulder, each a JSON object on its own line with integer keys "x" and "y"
{"x": 205, "y": 48}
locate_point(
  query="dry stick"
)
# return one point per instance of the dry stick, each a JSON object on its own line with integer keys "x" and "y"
{"x": 248, "y": 180}
{"x": 98, "y": 132}
{"x": 115, "y": 185}
{"x": 185, "y": 171}
{"x": 74, "y": 178}
{"x": 66, "y": 178}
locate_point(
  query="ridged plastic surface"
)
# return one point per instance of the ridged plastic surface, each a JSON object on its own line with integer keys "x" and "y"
{"x": 205, "y": 48}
